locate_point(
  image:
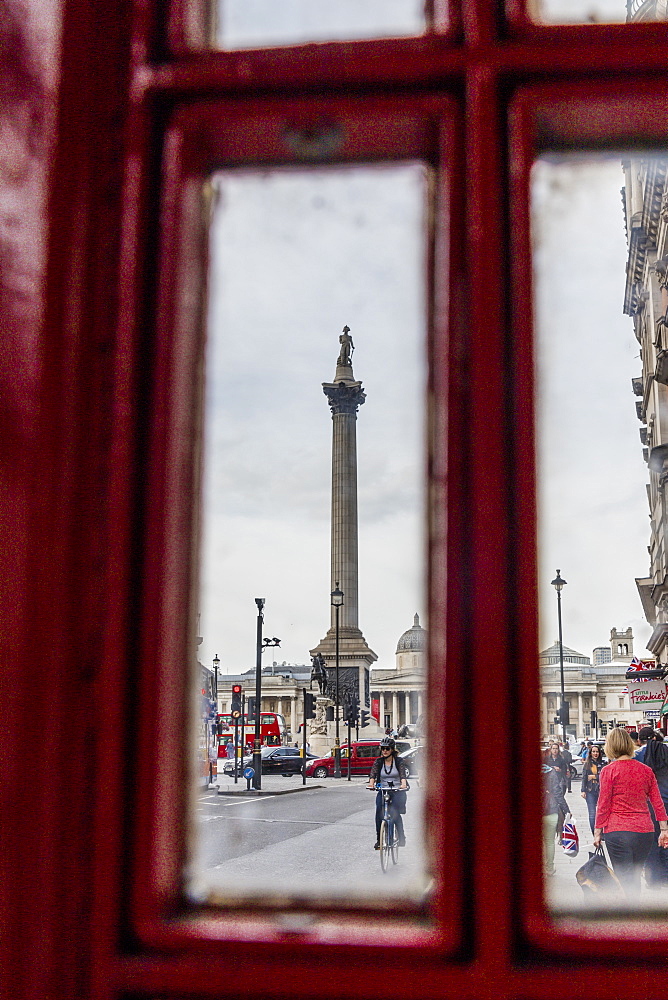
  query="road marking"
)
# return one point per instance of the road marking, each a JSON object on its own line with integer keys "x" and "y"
{"x": 247, "y": 802}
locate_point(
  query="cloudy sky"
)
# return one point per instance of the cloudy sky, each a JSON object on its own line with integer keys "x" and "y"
{"x": 593, "y": 504}
{"x": 296, "y": 255}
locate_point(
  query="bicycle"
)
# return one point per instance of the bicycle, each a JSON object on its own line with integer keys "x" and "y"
{"x": 388, "y": 839}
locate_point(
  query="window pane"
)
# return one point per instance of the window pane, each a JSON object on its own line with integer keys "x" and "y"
{"x": 312, "y": 527}
{"x": 600, "y": 263}
{"x": 597, "y": 11}
{"x": 257, "y": 23}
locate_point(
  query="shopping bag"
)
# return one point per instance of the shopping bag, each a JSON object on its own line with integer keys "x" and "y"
{"x": 595, "y": 878}
{"x": 569, "y": 837}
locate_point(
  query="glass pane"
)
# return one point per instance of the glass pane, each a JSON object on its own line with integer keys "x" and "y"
{"x": 242, "y": 24}
{"x": 312, "y": 554}
{"x": 596, "y": 11}
{"x": 600, "y": 264}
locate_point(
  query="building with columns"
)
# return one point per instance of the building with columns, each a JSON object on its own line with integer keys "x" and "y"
{"x": 645, "y": 199}
{"x": 397, "y": 693}
{"x": 600, "y": 687}
{"x": 282, "y": 691}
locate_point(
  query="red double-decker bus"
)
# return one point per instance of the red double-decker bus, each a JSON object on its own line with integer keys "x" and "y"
{"x": 272, "y": 730}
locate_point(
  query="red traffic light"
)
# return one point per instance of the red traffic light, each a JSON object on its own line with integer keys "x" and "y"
{"x": 236, "y": 689}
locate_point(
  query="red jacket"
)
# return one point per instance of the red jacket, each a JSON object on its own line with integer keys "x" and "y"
{"x": 626, "y": 785}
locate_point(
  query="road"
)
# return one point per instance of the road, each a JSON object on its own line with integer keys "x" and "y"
{"x": 313, "y": 841}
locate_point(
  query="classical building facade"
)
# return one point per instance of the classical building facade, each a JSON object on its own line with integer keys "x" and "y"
{"x": 600, "y": 687}
{"x": 645, "y": 199}
{"x": 282, "y": 691}
{"x": 397, "y": 693}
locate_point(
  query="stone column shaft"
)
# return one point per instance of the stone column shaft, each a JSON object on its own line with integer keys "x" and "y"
{"x": 344, "y": 516}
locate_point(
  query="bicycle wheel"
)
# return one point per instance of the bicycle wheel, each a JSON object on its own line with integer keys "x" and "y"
{"x": 394, "y": 844}
{"x": 384, "y": 846}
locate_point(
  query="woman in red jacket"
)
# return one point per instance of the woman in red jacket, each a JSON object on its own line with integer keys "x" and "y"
{"x": 622, "y": 814}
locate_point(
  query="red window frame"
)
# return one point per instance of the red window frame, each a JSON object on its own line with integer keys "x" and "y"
{"x": 98, "y": 915}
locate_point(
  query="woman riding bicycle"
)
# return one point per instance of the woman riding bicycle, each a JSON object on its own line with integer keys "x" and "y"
{"x": 389, "y": 771}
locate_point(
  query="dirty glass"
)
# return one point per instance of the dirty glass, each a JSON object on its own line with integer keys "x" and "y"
{"x": 601, "y": 261}
{"x": 312, "y": 554}
{"x": 239, "y": 24}
{"x": 596, "y": 11}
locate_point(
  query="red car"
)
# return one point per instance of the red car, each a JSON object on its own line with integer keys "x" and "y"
{"x": 363, "y": 755}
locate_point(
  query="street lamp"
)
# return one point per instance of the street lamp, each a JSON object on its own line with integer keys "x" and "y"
{"x": 337, "y": 602}
{"x": 216, "y": 664}
{"x": 260, "y": 645}
{"x": 558, "y": 583}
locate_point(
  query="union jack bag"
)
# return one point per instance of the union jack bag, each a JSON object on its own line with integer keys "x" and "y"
{"x": 569, "y": 837}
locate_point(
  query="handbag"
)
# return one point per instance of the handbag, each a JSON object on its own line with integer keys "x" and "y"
{"x": 570, "y": 841}
{"x": 596, "y": 878}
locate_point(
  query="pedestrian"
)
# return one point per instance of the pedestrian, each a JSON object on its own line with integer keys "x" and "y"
{"x": 389, "y": 771}
{"x": 591, "y": 781}
{"x": 554, "y": 759}
{"x": 622, "y": 814}
{"x": 654, "y": 753}
{"x": 582, "y": 752}
{"x": 568, "y": 760}
{"x": 554, "y": 804}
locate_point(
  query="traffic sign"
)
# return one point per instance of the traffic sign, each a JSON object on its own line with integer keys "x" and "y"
{"x": 249, "y": 772}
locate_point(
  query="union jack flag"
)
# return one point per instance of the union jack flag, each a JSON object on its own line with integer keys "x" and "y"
{"x": 637, "y": 664}
{"x": 569, "y": 837}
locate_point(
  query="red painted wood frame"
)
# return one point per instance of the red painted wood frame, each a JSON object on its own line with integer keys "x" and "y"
{"x": 88, "y": 908}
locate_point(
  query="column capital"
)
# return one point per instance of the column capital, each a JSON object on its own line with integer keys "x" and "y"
{"x": 344, "y": 397}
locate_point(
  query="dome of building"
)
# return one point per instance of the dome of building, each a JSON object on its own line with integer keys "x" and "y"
{"x": 414, "y": 639}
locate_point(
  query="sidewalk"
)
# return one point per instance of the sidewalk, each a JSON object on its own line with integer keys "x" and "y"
{"x": 562, "y": 890}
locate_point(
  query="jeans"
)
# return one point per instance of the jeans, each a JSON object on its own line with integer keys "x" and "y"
{"x": 591, "y": 798}
{"x": 549, "y": 831}
{"x": 397, "y": 802}
{"x": 628, "y": 852}
{"x": 656, "y": 866}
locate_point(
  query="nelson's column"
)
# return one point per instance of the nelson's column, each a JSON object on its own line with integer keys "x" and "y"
{"x": 344, "y": 395}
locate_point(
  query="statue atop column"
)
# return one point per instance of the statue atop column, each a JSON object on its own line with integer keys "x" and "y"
{"x": 347, "y": 347}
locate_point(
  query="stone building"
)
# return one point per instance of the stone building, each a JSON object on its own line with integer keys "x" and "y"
{"x": 398, "y": 691}
{"x": 645, "y": 199}
{"x": 600, "y": 687}
{"x": 282, "y": 691}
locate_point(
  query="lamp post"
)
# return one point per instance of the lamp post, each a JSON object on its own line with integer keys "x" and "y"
{"x": 558, "y": 583}
{"x": 216, "y": 664}
{"x": 337, "y": 603}
{"x": 260, "y": 645}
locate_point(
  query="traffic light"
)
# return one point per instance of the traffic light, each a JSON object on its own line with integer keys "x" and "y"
{"x": 250, "y": 707}
{"x": 235, "y": 711}
{"x": 364, "y": 719}
{"x": 592, "y": 718}
{"x": 353, "y": 712}
{"x": 309, "y": 705}
{"x": 563, "y": 714}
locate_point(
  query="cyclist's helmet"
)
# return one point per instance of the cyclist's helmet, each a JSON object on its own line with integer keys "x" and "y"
{"x": 387, "y": 741}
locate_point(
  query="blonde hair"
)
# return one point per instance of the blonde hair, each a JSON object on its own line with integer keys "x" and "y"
{"x": 618, "y": 743}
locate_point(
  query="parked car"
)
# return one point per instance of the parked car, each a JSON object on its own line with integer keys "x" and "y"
{"x": 362, "y": 757}
{"x": 413, "y": 759}
{"x": 275, "y": 760}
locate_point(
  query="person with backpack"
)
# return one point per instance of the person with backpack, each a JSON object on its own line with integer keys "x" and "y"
{"x": 654, "y": 753}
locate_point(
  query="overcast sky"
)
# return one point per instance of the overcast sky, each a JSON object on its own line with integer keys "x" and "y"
{"x": 295, "y": 256}
{"x": 593, "y": 505}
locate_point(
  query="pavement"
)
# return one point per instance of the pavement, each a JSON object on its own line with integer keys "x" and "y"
{"x": 562, "y": 890}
